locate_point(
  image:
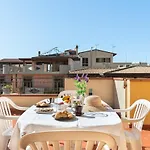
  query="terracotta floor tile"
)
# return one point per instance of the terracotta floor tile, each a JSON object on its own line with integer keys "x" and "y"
{"x": 146, "y": 149}
{"x": 146, "y": 138}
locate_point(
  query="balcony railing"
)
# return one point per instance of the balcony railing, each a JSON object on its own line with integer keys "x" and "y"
{"x": 36, "y": 85}
{"x": 29, "y": 69}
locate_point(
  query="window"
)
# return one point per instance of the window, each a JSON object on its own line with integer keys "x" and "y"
{"x": 98, "y": 60}
{"x": 2, "y": 82}
{"x": 58, "y": 84}
{"x": 28, "y": 82}
{"x": 107, "y": 59}
{"x": 121, "y": 66}
{"x": 101, "y": 60}
{"x": 84, "y": 61}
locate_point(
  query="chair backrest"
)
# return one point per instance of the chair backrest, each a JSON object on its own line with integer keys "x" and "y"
{"x": 142, "y": 108}
{"x": 72, "y": 139}
{"x": 67, "y": 93}
{"x": 5, "y": 111}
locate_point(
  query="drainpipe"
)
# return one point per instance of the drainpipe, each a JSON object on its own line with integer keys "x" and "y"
{"x": 91, "y": 57}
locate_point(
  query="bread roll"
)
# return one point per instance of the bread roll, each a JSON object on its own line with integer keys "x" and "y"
{"x": 63, "y": 114}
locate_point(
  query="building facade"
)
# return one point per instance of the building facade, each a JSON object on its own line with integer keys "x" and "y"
{"x": 46, "y": 72}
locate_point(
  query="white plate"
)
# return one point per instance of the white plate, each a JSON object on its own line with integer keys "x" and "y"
{"x": 95, "y": 114}
{"x": 44, "y": 110}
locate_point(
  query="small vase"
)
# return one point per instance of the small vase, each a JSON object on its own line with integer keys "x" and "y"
{"x": 78, "y": 110}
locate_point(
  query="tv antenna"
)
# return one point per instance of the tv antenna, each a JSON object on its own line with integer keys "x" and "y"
{"x": 55, "y": 49}
{"x": 96, "y": 45}
{"x": 113, "y": 47}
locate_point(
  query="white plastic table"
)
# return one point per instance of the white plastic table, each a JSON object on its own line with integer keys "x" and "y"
{"x": 107, "y": 122}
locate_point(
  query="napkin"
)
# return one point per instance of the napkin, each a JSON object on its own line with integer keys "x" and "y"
{"x": 58, "y": 100}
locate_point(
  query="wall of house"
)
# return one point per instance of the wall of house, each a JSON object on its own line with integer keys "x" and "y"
{"x": 70, "y": 63}
{"x": 140, "y": 89}
{"x": 64, "y": 69}
{"x": 96, "y": 54}
{"x": 74, "y": 64}
{"x": 101, "y": 87}
{"x": 28, "y": 100}
{"x": 41, "y": 81}
{"x": 77, "y": 65}
{"x": 119, "y": 94}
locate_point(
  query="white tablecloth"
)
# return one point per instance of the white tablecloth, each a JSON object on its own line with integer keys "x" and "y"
{"x": 30, "y": 121}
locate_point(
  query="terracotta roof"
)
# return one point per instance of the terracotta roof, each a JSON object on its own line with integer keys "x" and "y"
{"x": 25, "y": 59}
{"x": 11, "y": 60}
{"x": 90, "y": 71}
{"x": 98, "y": 50}
{"x": 136, "y": 69}
{"x": 53, "y": 57}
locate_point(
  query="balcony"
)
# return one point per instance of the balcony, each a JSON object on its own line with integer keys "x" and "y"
{"x": 38, "y": 69}
{"x": 33, "y": 84}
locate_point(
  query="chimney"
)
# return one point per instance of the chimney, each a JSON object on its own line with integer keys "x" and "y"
{"x": 39, "y": 53}
{"x": 76, "y": 49}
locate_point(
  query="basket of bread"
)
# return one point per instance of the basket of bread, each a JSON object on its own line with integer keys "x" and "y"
{"x": 63, "y": 115}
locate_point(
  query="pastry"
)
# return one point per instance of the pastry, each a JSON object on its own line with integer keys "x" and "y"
{"x": 46, "y": 109}
{"x": 63, "y": 115}
{"x": 70, "y": 115}
{"x": 41, "y": 104}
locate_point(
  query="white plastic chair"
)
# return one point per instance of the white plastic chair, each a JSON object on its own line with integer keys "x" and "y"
{"x": 67, "y": 93}
{"x": 72, "y": 140}
{"x": 6, "y": 124}
{"x": 133, "y": 136}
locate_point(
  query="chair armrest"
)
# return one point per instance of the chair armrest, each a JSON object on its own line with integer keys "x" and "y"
{"x": 17, "y": 107}
{"x": 12, "y": 117}
{"x": 125, "y": 110}
{"x": 131, "y": 120}
{"x": 21, "y": 108}
{"x": 9, "y": 117}
{"x": 121, "y": 110}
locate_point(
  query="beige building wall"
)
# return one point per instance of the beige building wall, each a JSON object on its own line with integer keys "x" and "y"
{"x": 101, "y": 87}
{"x": 92, "y": 55}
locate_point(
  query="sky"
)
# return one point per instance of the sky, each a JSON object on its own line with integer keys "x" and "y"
{"x": 120, "y": 26}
